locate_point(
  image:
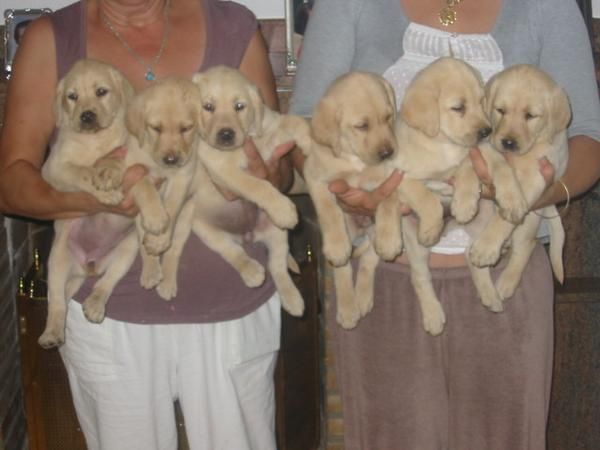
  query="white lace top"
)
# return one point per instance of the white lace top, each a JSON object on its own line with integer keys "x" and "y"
{"x": 422, "y": 45}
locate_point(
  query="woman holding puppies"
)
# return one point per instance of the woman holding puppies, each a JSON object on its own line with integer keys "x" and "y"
{"x": 214, "y": 346}
{"x": 484, "y": 383}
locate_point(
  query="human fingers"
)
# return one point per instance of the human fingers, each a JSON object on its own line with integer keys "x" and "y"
{"x": 547, "y": 170}
{"x": 480, "y": 166}
{"x": 256, "y": 165}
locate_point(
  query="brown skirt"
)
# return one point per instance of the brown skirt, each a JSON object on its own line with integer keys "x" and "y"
{"x": 483, "y": 384}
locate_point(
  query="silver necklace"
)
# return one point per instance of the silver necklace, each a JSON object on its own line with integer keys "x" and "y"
{"x": 149, "y": 75}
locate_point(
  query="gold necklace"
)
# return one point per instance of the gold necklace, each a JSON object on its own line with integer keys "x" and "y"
{"x": 447, "y": 14}
{"x": 149, "y": 75}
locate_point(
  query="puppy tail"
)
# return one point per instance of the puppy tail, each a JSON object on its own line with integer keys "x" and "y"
{"x": 292, "y": 264}
{"x": 557, "y": 242}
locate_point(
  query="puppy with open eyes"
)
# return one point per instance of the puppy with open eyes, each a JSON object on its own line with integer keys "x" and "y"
{"x": 441, "y": 119}
{"x": 231, "y": 112}
{"x": 89, "y": 105}
{"x": 353, "y": 133}
{"x": 530, "y": 114}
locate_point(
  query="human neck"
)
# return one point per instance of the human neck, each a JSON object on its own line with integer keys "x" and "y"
{"x": 132, "y": 13}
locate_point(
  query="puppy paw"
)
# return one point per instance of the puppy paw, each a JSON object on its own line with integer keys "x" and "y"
{"x": 506, "y": 286}
{"x": 492, "y": 301}
{"x": 484, "y": 253}
{"x": 348, "y": 316}
{"x": 434, "y": 317}
{"x": 151, "y": 273}
{"x": 284, "y": 214}
{"x": 338, "y": 252}
{"x": 252, "y": 272}
{"x": 167, "y": 289}
{"x": 464, "y": 207}
{"x": 157, "y": 223}
{"x": 108, "y": 174}
{"x": 512, "y": 207}
{"x": 292, "y": 302}
{"x": 156, "y": 244}
{"x": 429, "y": 232}
{"x": 94, "y": 306}
{"x": 51, "y": 338}
{"x": 109, "y": 197}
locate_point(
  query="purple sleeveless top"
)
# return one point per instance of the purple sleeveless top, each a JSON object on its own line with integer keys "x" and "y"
{"x": 209, "y": 289}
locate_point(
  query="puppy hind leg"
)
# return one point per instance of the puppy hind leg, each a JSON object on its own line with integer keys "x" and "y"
{"x": 348, "y": 312}
{"x": 225, "y": 244}
{"x": 482, "y": 279}
{"x": 276, "y": 241}
{"x": 365, "y": 280}
{"x": 167, "y": 288}
{"x": 61, "y": 266}
{"x": 432, "y": 311}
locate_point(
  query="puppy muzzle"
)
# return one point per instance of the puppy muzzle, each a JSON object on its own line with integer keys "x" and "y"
{"x": 88, "y": 121}
{"x": 226, "y": 137}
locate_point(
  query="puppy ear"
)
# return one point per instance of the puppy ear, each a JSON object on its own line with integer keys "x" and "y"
{"x": 258, "y": 109}
{"x": 57, "y": 106}
{"x": 560, "y": 111}
{"x": 125, "y": 89}
{"x": 391, "y": 95}
{"x": 488, "y": 98}
{"x": 420, "y": 108}
{"x": 134, "y": 119}
{"x": 324, "y": 123}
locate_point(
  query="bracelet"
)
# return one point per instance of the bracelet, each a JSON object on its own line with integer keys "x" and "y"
{"x": 564, "y": 208}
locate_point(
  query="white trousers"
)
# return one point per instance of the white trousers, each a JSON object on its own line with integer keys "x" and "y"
{"x": 124, "y": 378}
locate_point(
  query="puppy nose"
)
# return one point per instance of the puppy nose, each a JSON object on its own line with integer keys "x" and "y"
{"x": 88, "y": 117}
{"x": 484, "y": 132}
{"x": 226, "y": 136}
{"x": 171, "y": 159}
{"x": 385, "y": 153}
{"x": 509, "y": 144}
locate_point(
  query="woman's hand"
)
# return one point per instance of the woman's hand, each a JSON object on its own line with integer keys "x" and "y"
{"x": 359, "y": 202}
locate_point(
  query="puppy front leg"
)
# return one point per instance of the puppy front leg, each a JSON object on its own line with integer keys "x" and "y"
{"x": 167, "y": 288}
{"x": 466, "y": 194}
{"x": 337, "y": 247}
{"x": 427, "y": 206}
{"x": 388, "y": 228}
{"x": 523, "y": 243}
{"x": 154, "y": 217}
{"x": 432, "y": 311}
{"x": 276, "y": 241}
{"x": 83, "y": 177}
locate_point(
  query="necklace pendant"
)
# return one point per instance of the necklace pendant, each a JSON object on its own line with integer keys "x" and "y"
{"x": 447, "y": 16}
{"x": 150, "y": 76}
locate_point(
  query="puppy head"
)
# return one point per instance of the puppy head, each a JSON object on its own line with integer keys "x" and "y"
{"x": 164, "y": 120}
{"x": 231, "y": 107}
{"x": 356, "y": 116}
{"x": 446, "y": 98}
{"x": 525, "y": 106}
{"x": 91, "y": 96}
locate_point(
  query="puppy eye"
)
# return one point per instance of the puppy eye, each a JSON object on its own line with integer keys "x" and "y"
{"x": 362, "y": 126}
{"x": 529, "y": 116}
{"x": 459, "y": 109}
{"x": 72, "y": 96}
{"x": 156, "y": 128}
{"x": 185, "y": 128}
{"x": 500, "y": 111}
{"x": 388, "y": 118}
{"x": 208, "y": 107}
{"x": 239, "y": 106}
{"x": 101, "y": 92}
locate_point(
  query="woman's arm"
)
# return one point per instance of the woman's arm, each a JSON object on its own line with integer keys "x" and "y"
{"x": 28, "y": 125}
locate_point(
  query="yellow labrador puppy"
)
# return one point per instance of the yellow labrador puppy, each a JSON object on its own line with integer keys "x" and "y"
{"x": 353, "y": 130}
{"x": 232, "y": 111}
{"x": 89, "y": 105}
{"x": 529, "y": 114}
{"x": 441, "y": 119}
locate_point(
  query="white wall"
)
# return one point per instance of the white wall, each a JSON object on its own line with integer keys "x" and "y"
{"x": 264, "y": 9}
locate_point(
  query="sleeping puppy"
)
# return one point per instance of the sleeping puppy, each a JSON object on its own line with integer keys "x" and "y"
{"x": 89, "y": 106}
{"x": 441, "y": 119}
{"x": 232, "y": 111}
{"x": 353, "y": 130}
{"x": 530, "y": 114}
